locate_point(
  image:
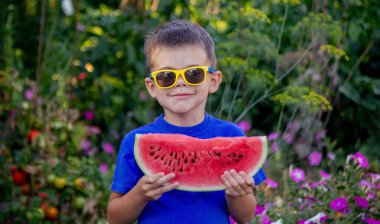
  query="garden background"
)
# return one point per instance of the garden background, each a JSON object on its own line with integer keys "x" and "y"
{"x": 303, "y": 73}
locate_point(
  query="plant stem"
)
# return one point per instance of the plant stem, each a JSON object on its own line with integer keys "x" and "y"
{"x": 280, "y": 38}
{"x": 234, "y": 97}
{"x": 40, "y": 41}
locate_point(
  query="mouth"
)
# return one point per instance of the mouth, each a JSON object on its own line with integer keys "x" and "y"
{"x": 181, "y": 95}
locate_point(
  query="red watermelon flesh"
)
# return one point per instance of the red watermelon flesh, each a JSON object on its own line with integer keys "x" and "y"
{"x": 199, "y": 163}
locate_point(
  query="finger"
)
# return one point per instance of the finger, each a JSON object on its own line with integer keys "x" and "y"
{"x": 231, "y": 179}
{"x": 153, "y": 178}
{"x": 248, "y": 180}
{"x": 234, "y": 183}
{"x": 239, "y": 179}
{"x": 165, "y": 179}
{"x": 159, "y": 191}
{"x": 225, "y": 181}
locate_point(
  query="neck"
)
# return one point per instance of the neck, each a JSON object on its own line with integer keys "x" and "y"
{"x": 184, "y": 120}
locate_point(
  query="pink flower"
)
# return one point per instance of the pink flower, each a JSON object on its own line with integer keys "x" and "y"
{"x": 372, "y": 221}
{"x": 331, "y": 155}
{"x": 89, "y": 115}
{"x": 245, "y": 125}
{"x": 232, "y": 221}
{"x": 371, "y": 195}
{"x": 294, "y": 126}
{"x": 28, "y": 94}
{"x": 361, "y": 160}
{"x": 288, "y": 138}
{"x": 90, "y": 151}
{"x": 108, "y": 148}
{"x": 315, "y": 158}
{"x": 340, "y": 205}
{"x": 271, "y": 183}
{"x": 315, "y": 184}
{"x": 143, "y": 96}
{"x": 265, "y": 219}
{"x": 324, "y": 175}
{"x": 375, "y": 177}
{"x": 103, "y": 168}
{"x": 297, "y": 174}
{"x": 85, "y": 144}
{"x": 361, "y": 202}
{"x": 94, "y": 130}
{"x": 260, "y": 210}
{"x": 273, "y": 136}
{"x": 320, "y": 135}
{"x": 364, "y": 184}
{"x": 274, "y": 147}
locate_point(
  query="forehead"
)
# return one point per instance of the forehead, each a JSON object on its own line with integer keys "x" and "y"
{"x": 178, "y": 57}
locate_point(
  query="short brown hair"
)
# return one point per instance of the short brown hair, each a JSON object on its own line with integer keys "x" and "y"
{"x": 178, "y": 33}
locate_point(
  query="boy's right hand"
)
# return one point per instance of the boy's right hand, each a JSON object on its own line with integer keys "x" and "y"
{"x": 152, "y": 187}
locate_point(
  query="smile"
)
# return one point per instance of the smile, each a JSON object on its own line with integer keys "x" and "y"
{"x": 181, "y": 95}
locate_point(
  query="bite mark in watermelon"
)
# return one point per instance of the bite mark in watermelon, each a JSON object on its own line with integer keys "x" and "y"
{"x": 199, "y": 163}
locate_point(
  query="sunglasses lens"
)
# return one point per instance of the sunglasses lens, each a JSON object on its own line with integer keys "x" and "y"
{"x": 165, "y": 79}
{"x": 195, "y": 75}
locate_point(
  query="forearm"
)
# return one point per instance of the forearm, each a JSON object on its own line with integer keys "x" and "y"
{"x": 241, "y": 208}
{"x": 125, "y": 209}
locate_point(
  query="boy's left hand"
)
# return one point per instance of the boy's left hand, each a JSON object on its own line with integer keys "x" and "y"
{"x": 238, "y": 184}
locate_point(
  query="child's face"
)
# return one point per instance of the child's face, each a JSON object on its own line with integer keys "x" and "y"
{"x": 182, "y": 98}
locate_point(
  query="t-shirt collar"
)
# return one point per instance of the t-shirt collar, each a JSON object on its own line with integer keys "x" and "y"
{"x": 190, "y": 130}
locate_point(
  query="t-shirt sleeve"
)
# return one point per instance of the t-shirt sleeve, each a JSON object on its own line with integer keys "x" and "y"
{"x": 259, "y": 177}
{"x": 127, "y": 173}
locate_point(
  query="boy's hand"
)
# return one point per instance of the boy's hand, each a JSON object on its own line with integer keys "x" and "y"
{"x": 238, "y": 184}
{"x": 152, "y": 187}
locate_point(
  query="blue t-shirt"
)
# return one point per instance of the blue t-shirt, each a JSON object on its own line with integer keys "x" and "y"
{"x": 177, "y": 206}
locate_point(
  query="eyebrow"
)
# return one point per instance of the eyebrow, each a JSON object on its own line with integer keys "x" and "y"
{"x": 172, "y": 68}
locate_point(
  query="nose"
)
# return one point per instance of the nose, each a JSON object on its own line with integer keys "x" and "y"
{"x": 180, "y": 81}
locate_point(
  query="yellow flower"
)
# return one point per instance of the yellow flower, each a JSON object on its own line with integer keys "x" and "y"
{"x": 334, "y": 51}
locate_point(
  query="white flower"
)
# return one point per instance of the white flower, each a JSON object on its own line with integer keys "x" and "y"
{"x": 67, "y": 7}
{"x": 277, "y": 222}
{"x": 316, "y": 218}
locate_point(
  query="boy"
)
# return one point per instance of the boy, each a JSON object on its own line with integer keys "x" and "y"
{"x": 181, "y": 61}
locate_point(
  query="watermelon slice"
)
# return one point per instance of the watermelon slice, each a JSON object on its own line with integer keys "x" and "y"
{"x": 199, "y": 163}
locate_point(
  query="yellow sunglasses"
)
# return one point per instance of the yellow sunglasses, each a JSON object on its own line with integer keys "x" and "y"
{"x": 193, "y": 76}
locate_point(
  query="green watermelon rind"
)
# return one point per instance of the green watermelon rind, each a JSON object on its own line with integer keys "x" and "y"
{"x": 203, "y": 189}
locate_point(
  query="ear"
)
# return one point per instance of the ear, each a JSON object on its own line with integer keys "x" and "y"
{"x": 149, "y": 83}
{"x": 215, "y": 81}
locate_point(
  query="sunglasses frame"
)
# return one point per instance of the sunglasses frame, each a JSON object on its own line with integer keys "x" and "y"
{"x": 181, "y": 72}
